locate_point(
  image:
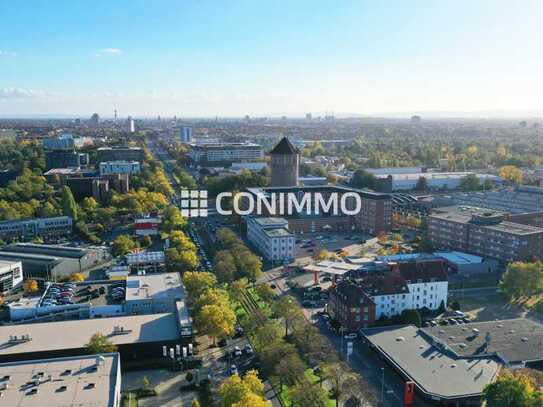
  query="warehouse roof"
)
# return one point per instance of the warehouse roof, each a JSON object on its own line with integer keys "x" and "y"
{"x": 512, "y": 340}
{"x": 47, "y": 249}
{"x": 71, "y": 381}
{"x": 437, "y": 373}
{"x": 163, "y": 285}
{"x": 75, "y": 334}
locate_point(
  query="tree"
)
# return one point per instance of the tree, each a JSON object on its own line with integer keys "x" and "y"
{"x": 225, "y": 266}
{"x": 337, "y": 375}
{"x": 323, "y": 255}
{"x": 77, "y": 277}
{"x": 238, "y": 389}
{"x": 512, "y": 390}
{"x": 411, "y": 317}
{"x": 197, "y": 282}
{"x": 307, "y": 394}
{"x": 252, "y": 400}
{"x": 146, "y": 384}
{"x": 216, "y": 321}
{"x": 30, "y": 286}
{"x": 470, "y": 183}
{"x": 98, "y": 343}
{"x": 195, "y": 403}
{"x": 172, "y": 220}
{"x": 287, "y": 308}
{"x": 68, "y": 204}
{"x": 363, "y": 179}
{"x": 146, "y": 241}
{"x": 122, "y": 245}
{"x": 422, "y": 184}
{"x": 522, "y": 279}
{"x": 511, "y": 173}
{"x": 265, "y": 292}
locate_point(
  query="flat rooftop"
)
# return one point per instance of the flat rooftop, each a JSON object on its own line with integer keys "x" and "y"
{"x": 332, "y": 267}
{"x": 75, "y": 334}
{"x": 70, "y": 381}
{"x": 144, "y": 257}
{"x": 435, "y": 372}
{"x": 280, "y": 232}
{"x": 511, "y": 340}
{"x": 156, "y": 286}
{"x": 8, "y": 263}
{"x": 271, "y": 221}
{"x": 47, "y": 249}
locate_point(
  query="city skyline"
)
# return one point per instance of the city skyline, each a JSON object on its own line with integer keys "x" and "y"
{"x": 202, "y": 60}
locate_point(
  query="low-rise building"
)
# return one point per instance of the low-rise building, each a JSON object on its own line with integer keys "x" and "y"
{"x": 40, "y": 227}
{"x": 120, "y": 167}
{"x": 153, "y": 293}
{"x": 146, "y": 262}
{"x": 77, "y": 381}
{"x": 148, "y": 226}
{"x": 11, "y": 275}
{"x": 272, "y": 238}
{"x": 105, "y": 154}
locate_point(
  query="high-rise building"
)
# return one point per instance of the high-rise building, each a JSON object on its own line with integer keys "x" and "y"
{"x": 285, "y": 160}
{"x": 185, "y": 133}
{"x": 95, "y": 119}
{"x": 131, "y": 124}
{"x": 308, "y": 117}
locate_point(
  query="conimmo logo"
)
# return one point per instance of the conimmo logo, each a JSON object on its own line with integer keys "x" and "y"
{"x": 193, "y": 203}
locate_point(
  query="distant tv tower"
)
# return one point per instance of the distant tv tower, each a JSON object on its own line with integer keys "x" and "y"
{"x": 115, "y": 115}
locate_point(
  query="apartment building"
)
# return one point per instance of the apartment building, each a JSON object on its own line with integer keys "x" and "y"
{"x": 220, "y": 153}
{"x": 120, "y": 167}
{"x": 388, "y": 291}
{"x": 272, "y": 238}
{"x": 39, "y": 227}
{"x": 483, "y": 232}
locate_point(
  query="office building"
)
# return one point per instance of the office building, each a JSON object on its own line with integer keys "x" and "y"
{"x": 185, "y": 134}
{"x": 88, "y": 187}
{"x": 11, "y": 275}
{"x": 105, "y": 154}
{"x": 375, "y": 214}
{"x": 272, "y": 238}
{"x": 146, "y": 262}
{"x": 65, "y": 159}
{"x": 120, "y": 167}
{"x": 483, "y": 232}
{"x": 62, "y": 142}
{"x": 131, "y": 124}
{"x": 77, "y": 381}
{"x": 285, "y": 161}
{"x": 213, "y": 154}
{"x": 47, "y": 228}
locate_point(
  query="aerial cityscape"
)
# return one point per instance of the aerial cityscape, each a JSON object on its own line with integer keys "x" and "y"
{"x": 271, "y": 204}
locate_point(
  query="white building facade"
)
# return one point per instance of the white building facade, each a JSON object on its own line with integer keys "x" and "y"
{"x": 272, "y": 238}
{"x": 11, "y": 275}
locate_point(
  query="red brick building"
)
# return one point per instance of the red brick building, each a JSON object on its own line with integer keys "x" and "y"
{"x": 350, "y": 306}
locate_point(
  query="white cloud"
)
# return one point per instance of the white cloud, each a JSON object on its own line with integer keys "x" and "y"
{"x": 20, "y": 93}
{"x": 109, "y": 51}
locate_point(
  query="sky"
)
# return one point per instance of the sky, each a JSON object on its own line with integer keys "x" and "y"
{"x": 264, "y": 58}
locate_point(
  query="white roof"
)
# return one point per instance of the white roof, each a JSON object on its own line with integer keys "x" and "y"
{"x": 86, "y": 384}
{"x": 332, "y": 267}
{"x": 163, "y": 285}
{"x": 145, "y": 257}
{"x": 75, "y": 334}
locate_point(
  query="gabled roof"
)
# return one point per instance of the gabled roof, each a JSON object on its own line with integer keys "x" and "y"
{"x": 285, "y": 147}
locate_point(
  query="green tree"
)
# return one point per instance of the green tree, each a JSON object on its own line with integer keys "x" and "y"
{"x": 235, "y": 389}
{"x": 512, "y": 390}
{"x": 522, "y": 279}
{"x": 307, "y": 394}
{"x": 122, "y": 245}
{"x": 363, "y": 179}
{"x": 172, "y": 220}
{"x": 197, "y": 282}
{"x": 422, "y": 184}
{"x": 470, "y": 183}
{"x": 68, "y": 204}
{"x": 411, "y": 317}
{"x": 288, "y": 309}
{"x": 98, "y": 343}
{"x": 216, "y": 321}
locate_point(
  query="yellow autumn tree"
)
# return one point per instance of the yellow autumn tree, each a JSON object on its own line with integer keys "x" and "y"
{"x": 511, "y": 173}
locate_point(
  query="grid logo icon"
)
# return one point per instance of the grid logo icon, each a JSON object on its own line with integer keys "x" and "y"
{"x": 193, "y": 203}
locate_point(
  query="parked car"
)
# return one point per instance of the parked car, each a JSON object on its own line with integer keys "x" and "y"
{"x": 459, "y": 314}
{"x": 237, "y": 351}
{"x": 222, "y": 342}
{"x": 233, "y": 370}
{"x": 248, "y": 349}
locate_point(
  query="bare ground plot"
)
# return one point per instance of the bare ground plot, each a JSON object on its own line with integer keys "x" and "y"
{"x": 488, "y": 307}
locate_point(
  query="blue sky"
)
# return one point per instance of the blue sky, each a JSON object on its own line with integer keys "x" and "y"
{"x": 230, "y": 58}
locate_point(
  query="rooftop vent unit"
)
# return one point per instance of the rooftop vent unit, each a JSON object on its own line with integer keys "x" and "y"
{"x": 32, "y": 392}
{"x": 62, "y": 388}
{"x": 90, "y": 386}
{"x": 14, "y": 339}
{"x": 119, "y": 330}
{"x": 5, "y": 378}
{"x": 67, "y": 372}
{"x": 524, "y": 339}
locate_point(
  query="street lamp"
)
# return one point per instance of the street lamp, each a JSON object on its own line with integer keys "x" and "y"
{"x": 382, "y": 385}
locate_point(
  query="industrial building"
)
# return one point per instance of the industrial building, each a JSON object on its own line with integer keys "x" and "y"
{"x": 136, "y": 337}
{"x": 79, "y": 381}
{"x": 51, "y": 262}
{"x": 146, "y": 262}
{"x": 483, "y": 232}
{"x": 272, "y": 238}
{"x": 153, "y": 293}
{"x": 46, "y": 228}
{"x": 434, "y": 180}
{"x": 11, "y": 275}
{"x": 213, "y": 154}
